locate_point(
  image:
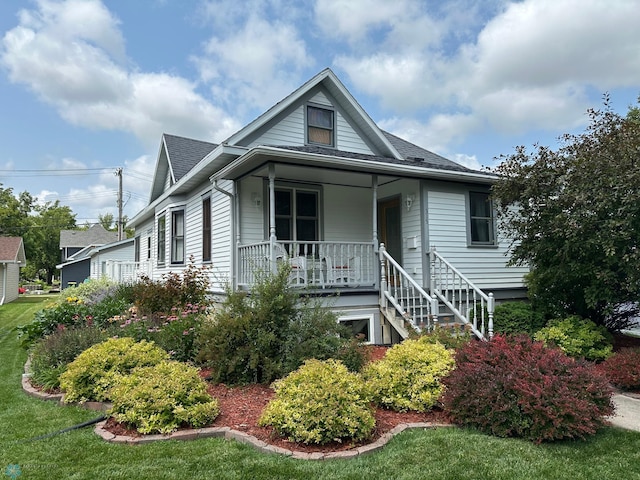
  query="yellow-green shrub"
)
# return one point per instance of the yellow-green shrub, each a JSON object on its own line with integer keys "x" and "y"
{"x": 408, "y": 376}
{"x": 91, "y": 375}
{"x": 163, "y": 397}
{"x": 577, "y": 337}
{"x": 319, "y": 403}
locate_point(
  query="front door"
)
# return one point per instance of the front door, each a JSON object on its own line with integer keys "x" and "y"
{"x": 389, "y": 227}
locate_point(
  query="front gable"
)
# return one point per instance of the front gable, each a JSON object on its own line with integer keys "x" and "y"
{"x": 286, "y": 122}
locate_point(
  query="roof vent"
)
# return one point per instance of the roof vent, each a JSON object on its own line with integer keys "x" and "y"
{"x": 416, "y": 159}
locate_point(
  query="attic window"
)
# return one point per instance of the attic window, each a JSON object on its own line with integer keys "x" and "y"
{"x": 320, "y": 126}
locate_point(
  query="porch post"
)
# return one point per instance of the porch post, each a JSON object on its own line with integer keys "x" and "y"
{"x": 272, "y": 217}
{"x": 374, "y": 188}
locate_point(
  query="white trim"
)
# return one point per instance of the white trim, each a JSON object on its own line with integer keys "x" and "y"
{"x": 370, "y": 317}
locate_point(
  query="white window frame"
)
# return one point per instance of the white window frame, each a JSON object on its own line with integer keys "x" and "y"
{"x": 368, "y": 317}
{"x": 161, "y": 225}
{"x": 491, "y": 221}
{"x": 309, "y": 124}
{"x": 178, "y": 237}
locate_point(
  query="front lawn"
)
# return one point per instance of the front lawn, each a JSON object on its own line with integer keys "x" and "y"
{"x": 436, "y": 454}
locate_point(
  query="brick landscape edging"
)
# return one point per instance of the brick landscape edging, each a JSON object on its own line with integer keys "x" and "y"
{"x": 221, "y": 432}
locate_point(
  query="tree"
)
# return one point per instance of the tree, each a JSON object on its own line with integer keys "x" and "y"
{"x": 574, "y": 215}
{"x": 52, "y": 218}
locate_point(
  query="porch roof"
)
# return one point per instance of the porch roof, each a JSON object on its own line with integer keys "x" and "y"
{"x": 432, "y": 166}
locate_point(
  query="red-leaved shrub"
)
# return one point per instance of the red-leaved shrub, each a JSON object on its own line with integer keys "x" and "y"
{"x": 515, "y": 387}
{"x": 623, "y": 368}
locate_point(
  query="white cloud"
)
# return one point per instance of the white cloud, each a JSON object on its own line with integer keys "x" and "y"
{"x": 70, "y": 54}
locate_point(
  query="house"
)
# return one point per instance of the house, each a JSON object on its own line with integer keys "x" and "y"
{"x": 75, "y": 248}
{"x": 406, "y": 237}
{"x": 12, "y": 257}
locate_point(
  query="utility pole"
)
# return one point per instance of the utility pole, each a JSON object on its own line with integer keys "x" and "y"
{"x": 120, "y": 229}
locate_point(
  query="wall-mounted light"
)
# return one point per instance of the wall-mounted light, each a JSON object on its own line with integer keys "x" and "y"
{"x": 408, "y": 201}
{"x": 255, "y": 199}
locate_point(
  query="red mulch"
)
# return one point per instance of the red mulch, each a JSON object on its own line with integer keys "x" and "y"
{"x": 241, "y": 407}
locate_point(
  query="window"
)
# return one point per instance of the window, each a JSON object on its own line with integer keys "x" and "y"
{"x": 136, "y": 249}
{"x": 481, "y": 220}
{"x": 148, "y": 248}
{"x": 162, "y": 232}
{"x": 297, "y": 214}
{"x": 320, "y": 126}
{"x": 177, "y": 236}
{"x": 206, "y": 229}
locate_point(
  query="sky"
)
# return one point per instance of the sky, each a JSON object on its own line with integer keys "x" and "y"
{"x": 90, "y": 86}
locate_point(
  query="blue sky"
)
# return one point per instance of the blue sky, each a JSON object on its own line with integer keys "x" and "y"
{"x": 87, "y": 86}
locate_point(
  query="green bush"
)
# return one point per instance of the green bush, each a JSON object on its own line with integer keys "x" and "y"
{"x": 70, "y": 312}
{"x": 577, "y": 337}
{"x": 163, "y": 397}
{"x": 321, "y": 402}
{"x": 517, "y": 317}
{"x": 260, "y": 336}
{"x": 50, "y": 355}
{"x": 453, "y": 338}
{"x": 92, "y": 374}
{"x": 515, "y": 387}
{"x": 409, "y": 376}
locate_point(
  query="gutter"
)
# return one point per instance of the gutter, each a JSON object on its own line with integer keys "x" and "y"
{"x": 233, "y": 199}
{"x": 4, "y": 283}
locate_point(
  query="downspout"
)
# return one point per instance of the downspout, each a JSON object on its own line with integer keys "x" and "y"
{"x": 233, "y": 199}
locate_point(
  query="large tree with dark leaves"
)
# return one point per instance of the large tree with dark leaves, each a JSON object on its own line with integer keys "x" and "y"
{"x": 574, "y": 214}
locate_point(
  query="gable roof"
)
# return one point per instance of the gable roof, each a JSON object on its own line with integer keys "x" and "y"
{"x": 177, "y": 157}
{"x": 95, "y": 235}
{"x": 12, "y": 250}
{"x": 328, "y": 80}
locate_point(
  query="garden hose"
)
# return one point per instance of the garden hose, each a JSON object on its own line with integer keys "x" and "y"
{"x": 68, "y": 429}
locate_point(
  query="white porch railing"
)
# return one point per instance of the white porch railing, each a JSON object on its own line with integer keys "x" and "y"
{"x": 125, "y": 271}
{"x": 467, "y": 302}
{"x": 313, "y": 264}
{"x": 402, "y": 294}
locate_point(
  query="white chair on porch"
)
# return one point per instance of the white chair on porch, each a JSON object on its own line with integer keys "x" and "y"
{"x": 346, "y": 273}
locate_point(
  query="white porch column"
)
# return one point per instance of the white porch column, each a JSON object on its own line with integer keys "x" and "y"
{"x": 272, "y": 216}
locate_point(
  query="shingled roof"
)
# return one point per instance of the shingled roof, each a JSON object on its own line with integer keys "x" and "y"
{"x": 11, "y": 250}
{"x": 185, "y": 153}
{"x": 95, "y": 235}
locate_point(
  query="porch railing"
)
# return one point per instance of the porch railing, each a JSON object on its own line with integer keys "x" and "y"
{"x": 313, "y": 264}
{"x": 125, "y": 271}
{"x": 404, "y": 296}
{"x": 468, "y": 303}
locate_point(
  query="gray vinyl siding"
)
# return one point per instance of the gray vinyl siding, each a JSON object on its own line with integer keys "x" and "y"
{"x": 290, "y": 130}
{"x": 221, "y": 243}
{"x": 252, "y": 216}
{"x": 347, "y": 214}
{"x": 10, "y": 289}
{"x": 447, "y": 224}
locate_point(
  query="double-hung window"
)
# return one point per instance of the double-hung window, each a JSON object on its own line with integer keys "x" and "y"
{"x": 320, "y": 126}
{"x": 177, "y": 236}
{"x": 206, "y": 229}
{"x": 481, "y": 219}
{"x": 297, "y": 215}
{"x": 162, "y": 233}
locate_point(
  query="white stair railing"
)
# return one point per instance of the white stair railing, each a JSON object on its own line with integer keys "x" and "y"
{"x": 468, "y": 303}
{"x": 405, "y": 295}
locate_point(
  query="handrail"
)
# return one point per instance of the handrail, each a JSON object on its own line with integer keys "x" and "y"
{"x": 461, "y": 296}
{"x": 405, "y": 295}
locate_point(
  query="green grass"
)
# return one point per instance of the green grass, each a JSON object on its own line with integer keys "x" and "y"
{"x": 435, "y": 454}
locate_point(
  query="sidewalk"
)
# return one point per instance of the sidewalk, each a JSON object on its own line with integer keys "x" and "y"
{"x": 627, "y": 413}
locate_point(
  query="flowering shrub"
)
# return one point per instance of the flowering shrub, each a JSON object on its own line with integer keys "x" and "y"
{"x": 92, "y": 374}
{"x": 515, "y": 387}
{"x": 409, "y": 376}
{"x": 577, "y": 337}
{"x": 319, "y": 403}
{"x": 623, "y": 368}
{"x": 163, "y": 397}
{"x": 50, "y": 355}
{"x": 174, "y": 290}
{"x": 175, "y": 332}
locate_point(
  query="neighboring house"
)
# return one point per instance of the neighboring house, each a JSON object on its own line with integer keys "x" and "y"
{"x": 354, "y": 209}
{"x": 12, "y": 258}
{"x": 116, "y": 260}
{"x": 75, "y": 247}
